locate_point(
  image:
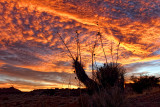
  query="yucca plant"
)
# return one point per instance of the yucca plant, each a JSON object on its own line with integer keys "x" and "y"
{"x": 107, "y": 76}
{"x": 107, "y": 86}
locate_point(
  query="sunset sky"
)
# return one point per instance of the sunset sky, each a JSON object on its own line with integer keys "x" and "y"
{"x": 32, "y": 55}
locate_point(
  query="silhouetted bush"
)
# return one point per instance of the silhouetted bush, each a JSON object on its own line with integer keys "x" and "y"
{"x": 143, "y": 82}
{"x": 111, "y": 74}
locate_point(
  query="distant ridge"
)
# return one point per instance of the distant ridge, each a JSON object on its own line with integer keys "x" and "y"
{"x": 10, "y": 90}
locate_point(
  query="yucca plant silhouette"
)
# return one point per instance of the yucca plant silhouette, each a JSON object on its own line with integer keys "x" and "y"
{"x": 107, "y": 76}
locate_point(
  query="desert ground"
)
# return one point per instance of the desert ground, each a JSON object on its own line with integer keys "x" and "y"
{"x": 70, "y": 98}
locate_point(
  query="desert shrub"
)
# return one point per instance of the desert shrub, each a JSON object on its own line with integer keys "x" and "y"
{"x": 143, "y": 82}
{"x": 110, "y": 78}
{"x": 111, "y": 74}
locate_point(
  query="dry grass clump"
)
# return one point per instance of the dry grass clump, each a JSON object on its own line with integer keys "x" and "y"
{"x": 113, "y": 97}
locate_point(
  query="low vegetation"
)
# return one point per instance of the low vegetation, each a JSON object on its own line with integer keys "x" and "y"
{"x": 144, "y": 82}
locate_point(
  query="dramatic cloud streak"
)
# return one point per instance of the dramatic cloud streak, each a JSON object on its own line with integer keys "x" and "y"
{"x": 31, "y": 50}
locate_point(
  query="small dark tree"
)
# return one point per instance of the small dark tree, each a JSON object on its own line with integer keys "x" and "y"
{"x": 144, "y": 82}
